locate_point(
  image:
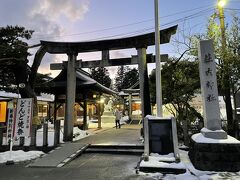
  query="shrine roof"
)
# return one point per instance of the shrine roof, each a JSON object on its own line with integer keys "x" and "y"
{"x": 84, "y": 84}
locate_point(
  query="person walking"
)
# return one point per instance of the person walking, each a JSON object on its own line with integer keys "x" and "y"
{"x": 118, "y": 116}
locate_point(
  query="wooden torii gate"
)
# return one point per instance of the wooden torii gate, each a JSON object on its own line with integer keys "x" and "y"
{"x": 140, "y": 43}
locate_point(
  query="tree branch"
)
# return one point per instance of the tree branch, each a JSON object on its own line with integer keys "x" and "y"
{"x": 175, "y": 62}
{"x": 28, "y": 47}
{"x": 36, "y": 63}
{"x": 11, "y": 58}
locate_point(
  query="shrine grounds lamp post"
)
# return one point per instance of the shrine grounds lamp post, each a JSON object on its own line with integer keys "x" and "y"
{"x": 225, "y": 63}
{"x": 221, "y": 4}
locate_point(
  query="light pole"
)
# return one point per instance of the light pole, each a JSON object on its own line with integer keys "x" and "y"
{"x": 221, "y": 4}
{"x": 225, "y": 66}
{"x": 158, "y": 62}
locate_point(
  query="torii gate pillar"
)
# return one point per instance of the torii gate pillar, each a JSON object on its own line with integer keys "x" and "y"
{"x": 143, "y": 82}
{"x": 70, "y": 98}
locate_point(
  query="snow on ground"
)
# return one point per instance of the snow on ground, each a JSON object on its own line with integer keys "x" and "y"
{"x": 201, "y": 139}
{"x": 78, "y": 134}
{"x": 167, "y": 158}
{"x": 191, "y": 172}
{"x": 18, "y": 156}
{"x": 162, "y": 161}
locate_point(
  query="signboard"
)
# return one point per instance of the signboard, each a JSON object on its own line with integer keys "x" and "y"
{"x": 10, "y": 121}
{"x": 24, "y": 115}
{"x": 160, "y": 136}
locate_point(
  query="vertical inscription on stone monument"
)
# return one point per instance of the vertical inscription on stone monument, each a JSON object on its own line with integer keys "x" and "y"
{"x": 209, "y": 89}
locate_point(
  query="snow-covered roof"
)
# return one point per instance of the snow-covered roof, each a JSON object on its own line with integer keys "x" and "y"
{"x": 44, "y": 97}
{"x": 4, "y": 94}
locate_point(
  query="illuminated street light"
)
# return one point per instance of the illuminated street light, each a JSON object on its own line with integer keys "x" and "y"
{"x": 225, "y": 62}
{"x": 221, "y": 3}
{"x": 102, "y": 100}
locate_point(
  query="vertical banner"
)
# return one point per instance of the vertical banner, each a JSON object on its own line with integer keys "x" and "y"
{"x": 23, "y": 118}
{"x": 10, "y": 121}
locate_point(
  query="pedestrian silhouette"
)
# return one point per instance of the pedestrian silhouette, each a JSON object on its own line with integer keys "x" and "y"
{"x": 118, "y": 116}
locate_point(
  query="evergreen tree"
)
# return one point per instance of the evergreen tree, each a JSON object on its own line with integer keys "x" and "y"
{"x": 180, "y": 81}
{"x": 126, "y": 77}
{"x": 14, "y": 68}
{"x": 130, "y": 78}
{"x": 101, "y": 75}
{"x": 228, "y": 64}
{"x": 119, "y": 78}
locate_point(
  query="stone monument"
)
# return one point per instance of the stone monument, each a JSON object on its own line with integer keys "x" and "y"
{"x": 208, "y": 79}
{"x": 108, "y": 115}
{"x": 212, "y": 149}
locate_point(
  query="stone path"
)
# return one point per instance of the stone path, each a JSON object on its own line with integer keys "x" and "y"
{"x": 127, "y": 135}
{"x": 60, "y": 156}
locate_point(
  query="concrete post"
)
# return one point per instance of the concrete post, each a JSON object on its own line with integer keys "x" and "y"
{"x": 1, "y": 136}
{"x": 130, "y": 106}
{"x": 158, "y": 62}
{"x": 175, "y": 139}
{"x": 70, "y": 98}
{"x": 56, "y": 125}
{"x": 85, "y": 126}
{"x": 45, "y": 133}
{"x": 146, "y": 139}
{"x": 33, "y": 135}
{"x": 143, "y": 82}
{"x": 99, "y": 116}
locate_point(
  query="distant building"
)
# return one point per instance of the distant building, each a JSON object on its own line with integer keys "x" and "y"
{"x": 197, "y": 104}
{"x": 43, "y": 104}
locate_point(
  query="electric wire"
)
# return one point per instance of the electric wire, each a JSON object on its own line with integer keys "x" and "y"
{"x": 122, "y": 26}
{"x": 123, "y": 35}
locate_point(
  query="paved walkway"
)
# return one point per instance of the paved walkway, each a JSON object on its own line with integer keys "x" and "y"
{"x": 126, "y": 135}
{"x": 60, "y": 156}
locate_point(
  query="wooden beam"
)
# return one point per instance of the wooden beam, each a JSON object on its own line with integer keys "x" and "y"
{"x": 138, "y": 41}
{"x": 111, "y": 62}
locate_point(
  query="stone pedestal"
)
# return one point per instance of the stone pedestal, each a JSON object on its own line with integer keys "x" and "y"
{"x": 217, "y": 134}
{"x": 108, "y": 117}
{"x": 215, "y": 156}
{"x": 212, "y": 149}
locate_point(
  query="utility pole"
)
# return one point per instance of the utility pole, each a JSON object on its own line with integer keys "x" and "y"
{"x": 225, "y": 66}
{"x": 158, "y": 63}
{"x": 222, "y": 24}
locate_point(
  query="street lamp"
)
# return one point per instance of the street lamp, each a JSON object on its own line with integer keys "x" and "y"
{"x": 221, "y": 4}
{"x": 226, "y": 76}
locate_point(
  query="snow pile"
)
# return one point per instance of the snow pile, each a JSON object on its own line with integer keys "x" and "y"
{"x": 191, "y": 172}
{"x": 167, "y": 158}
{"x": 199, "y": 138}
{"x": 79, "y": 134}
{"x": 124, "y": 119}
{"x": 20, "y": 155}
{"x": 162, "y": 161}
{"x": 185, "y": 176}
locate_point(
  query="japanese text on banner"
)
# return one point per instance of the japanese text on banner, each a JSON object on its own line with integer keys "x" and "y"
{"x": 23, "y": 117}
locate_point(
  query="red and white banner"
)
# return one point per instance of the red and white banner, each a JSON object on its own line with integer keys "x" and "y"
{"x": 23, "y": 120}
